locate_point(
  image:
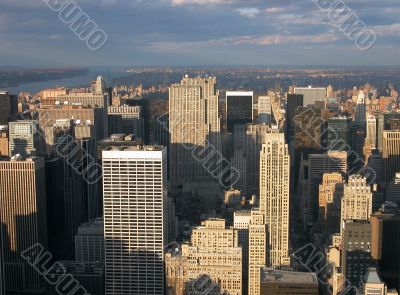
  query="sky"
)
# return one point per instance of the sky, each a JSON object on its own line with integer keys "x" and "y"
{"x": 199, "y": 32}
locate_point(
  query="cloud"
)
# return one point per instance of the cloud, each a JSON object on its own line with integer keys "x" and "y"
{"x": 387, "y": 30}
{"x": 248, "y": 11}
{"x": 276, "y": 9}
{"x": 199, "y": 2}
{"x": 286, "y": 39}
{"x": 243, "y": 41}
{"x": 56, "y": 37}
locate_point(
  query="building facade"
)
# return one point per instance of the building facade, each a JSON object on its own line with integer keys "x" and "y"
{"x": 194, "y": 126}
{"x": 89, "y": 242}
{"x": 258, "y": 237}
{"x": 239, "y": 108}
{"x": 24, "y": 138}
{"x": 390, "y": 154}
{"x": 23, "y": 220}
{"x": 330, "y": 198}
{"x": 274, "y": 197}
{"x": 135, "y": 219}
{"x": 357, "y": 200}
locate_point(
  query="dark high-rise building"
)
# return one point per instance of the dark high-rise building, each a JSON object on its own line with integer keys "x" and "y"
{"x": 90, "y": 276}
{"x": 8, "y": 107}
{"x": 2, "y": 291}
{"x": 5, "y": 107}
{"x": 356, "y": 256}
{"x": 61, "y": 138}
{"x": 293, "y": 102}
{"x": 309, "y": 127}
{"x": 385, "y": 243}
{"x": 390, "y": 154}
{"x": 318, "y": 165}
{"x": 125, "y": 119}
{"x": 239, "y": 108}
{"x": 89, "y": 242}
{"x": 339, "y": 129}
{"x": 161, "y": 130}
{"x": 23, "y": 220}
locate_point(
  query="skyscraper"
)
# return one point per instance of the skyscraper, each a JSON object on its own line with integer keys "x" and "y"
{"x": 258, "y": 237}
{"x": 357, "y": 200}
{"x": 239, "y": 108}
{"x": 330, "y": 197}
{"x": 361, "y": 109}
{"x": 311, "y": 94}
{"x": 356, "y": 255}
{"x": 241, "y": 222}
{"x": 385, "y": 243}
{"x": 214, "y": 252}
{"x": 318, "y": 164}
{"x": 274, "y": 197}
{"x": 293, "y": 102}
{"x": 2, "y": 291}
{"x": 91, "y": 116}
{"x": 390, "y": 154}
{"x": 383, "y": 123}
{"x": 8, "y": 107}
{"x": 23, "y": 220}
{"x": 24, "y": 138}
{"x": 194, "y": 126}
{"x": 371, "y": 131}
{"x": 339, "y": 129}
{"x": 4, "y": 138}
{"x": 96, "y": 101}
{"x": 247, "y": 143}
{"x": 89, "y": 242}
{"x": 4, "y": 107}
{"x": 125, "y": 119}
{"x": 135, "y": 219}
{"x": 60, "y": 140}
{"x": 372, "y": 284}
{"x": 264, "y": 110}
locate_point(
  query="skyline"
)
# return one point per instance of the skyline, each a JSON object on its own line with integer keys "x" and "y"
{"x": 198, "y": 32}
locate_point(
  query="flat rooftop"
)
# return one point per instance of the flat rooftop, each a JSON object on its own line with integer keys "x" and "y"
{"x": 278, "y": 276}
{"x": 127, "y": 148}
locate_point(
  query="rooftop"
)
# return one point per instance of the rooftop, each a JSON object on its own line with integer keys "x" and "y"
{"x": 279, "y": 276}
{"x": 126, "y": 148}
{"x": 372, "y": 277}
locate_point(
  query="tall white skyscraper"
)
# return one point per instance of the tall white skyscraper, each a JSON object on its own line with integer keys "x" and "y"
{"x": 135, "y": 219}
{"x": 371, "y": 131}
{"x": 274, "y": 198}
